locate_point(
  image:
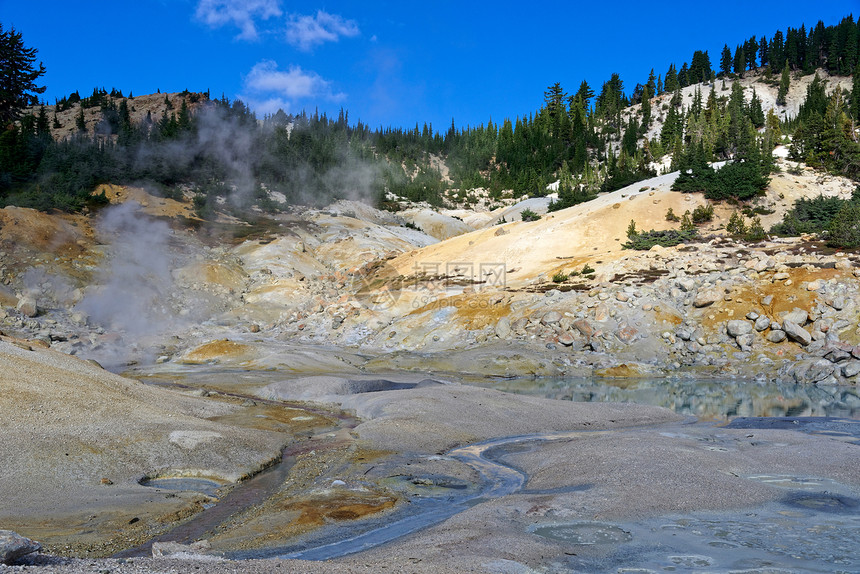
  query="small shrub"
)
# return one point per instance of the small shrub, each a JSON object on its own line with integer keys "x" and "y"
{"x": 703, "y": 213}
{"x": 757, "y": 210}
{"x": 670, "y": 216}
{"x": 687, "y": 223}
{"x": 755, "y": 232}
{"x": 529, "y": 215}
{"x": 560, "y": 277}
{"x": 631, "y": 230}
{"x": 668, "y": 238}
{"x": 587, "y": 270}
{"x": 737, "y": 226}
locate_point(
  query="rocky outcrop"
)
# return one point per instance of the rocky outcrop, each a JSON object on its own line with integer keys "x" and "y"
{"x": 14, "y": 546}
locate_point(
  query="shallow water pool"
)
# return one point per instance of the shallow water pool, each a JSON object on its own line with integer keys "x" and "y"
{"x": 707, "y": 399}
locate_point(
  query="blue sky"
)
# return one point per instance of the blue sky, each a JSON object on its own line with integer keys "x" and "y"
{"x": 387, "y": 63}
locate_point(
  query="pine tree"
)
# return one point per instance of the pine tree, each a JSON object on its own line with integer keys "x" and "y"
{"x": 739, "y": 61}
{"x": 671, "y": 84}
{"x": 762, "y": 51}
{"x": 646, "y": 108}
{"x": 751, "y": 52}
{"x": 784, "y": 84}
{"x": 652, "y": 83}
{"x": 726, "y": 61}
{"x": 585, "y": 93}
{"x": 18, "y": 76}
{"x": 80, "y": 120}
{"x": 756, "y": 114}
{"x": 855, "y": 96}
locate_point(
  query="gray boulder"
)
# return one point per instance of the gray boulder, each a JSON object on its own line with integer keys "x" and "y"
{"x": 551, "y": 317}
{"x": 797, "y": 316}
{"x": 13, "y": 546}
{"x": 706, "y": 297}
{"x": 27, "y": 306}
{"x": 745, "y": 341}
{"x": 738, "y": 327}
{"x": 503, "y": 328}
{"x": 686, "y": 284}
{"x": 796, "y": 332}
{"x": 762, "y": 323}
{"x": 776, "y": 336}
{"x": 851, "y": 369}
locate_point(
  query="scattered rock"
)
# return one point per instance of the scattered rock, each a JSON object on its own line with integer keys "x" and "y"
{"x": 796, "y": 332}
{"x": 566, "y": 339}
{"x": 706, "y": 297}
{"x": 745, "y": 341}
{"x": 851, "y": 369}
{"x": 738, "y": 327}
{"x": 776, "y": 336}
{"x": 797, "y": 316}
{"x": 27, "y": 306}
{"x": 503, "y": 328}
{"x": 837, "y": 355}
{"x": 626, "y": 334}
{"x": 762, "y": 323}
{"x": 551, "y": 317}
{"x": 584, "y": 327}
{"x": 13, "y": 546}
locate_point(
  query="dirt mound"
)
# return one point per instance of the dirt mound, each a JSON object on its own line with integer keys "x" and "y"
{"x": 150, "y": 204}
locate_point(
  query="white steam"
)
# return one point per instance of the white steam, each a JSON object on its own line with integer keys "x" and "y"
{"x": 134, "y": 285}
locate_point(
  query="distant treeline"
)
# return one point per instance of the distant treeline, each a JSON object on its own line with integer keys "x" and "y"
{"x": 589, "y": 141}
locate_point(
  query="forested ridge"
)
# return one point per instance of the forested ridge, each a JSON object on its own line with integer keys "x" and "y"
{"x": 589, "y": 140}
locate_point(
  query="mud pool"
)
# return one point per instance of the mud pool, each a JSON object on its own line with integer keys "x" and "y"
{"x": 812, "y": 526}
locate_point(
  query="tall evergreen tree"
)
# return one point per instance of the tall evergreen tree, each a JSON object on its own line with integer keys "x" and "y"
{"x": 652, "y": 83}
{"x": 750, "y": 52}
{"x": 80, "y": 120}
{"x": 739, "y": 61}
{"x": 646, "y": 108}
{"x": 726, "y": 61}
{"x": 671, "y": 83}
{"x": 855, "y": 96}
{"x": 763, "y": 51}
{"x": 18, "y": 75}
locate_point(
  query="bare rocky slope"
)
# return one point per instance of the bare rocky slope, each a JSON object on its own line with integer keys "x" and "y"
{"x": 136, "y": 283}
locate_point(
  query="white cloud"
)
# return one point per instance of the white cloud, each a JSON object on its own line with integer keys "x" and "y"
{"x": 305, "y": 32}
{"x": 242, "y": 13}
{"x": 267, "y": 88}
